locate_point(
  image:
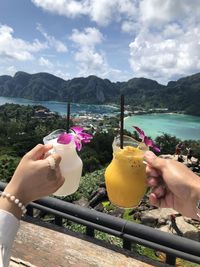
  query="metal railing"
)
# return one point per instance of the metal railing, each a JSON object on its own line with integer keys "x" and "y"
{"x": 131, "y": 233}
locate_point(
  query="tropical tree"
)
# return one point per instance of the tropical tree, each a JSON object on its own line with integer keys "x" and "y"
{"x": 167, "y": 143}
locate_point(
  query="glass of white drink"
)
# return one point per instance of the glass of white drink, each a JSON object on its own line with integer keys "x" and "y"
{"x": 71, "y": 164}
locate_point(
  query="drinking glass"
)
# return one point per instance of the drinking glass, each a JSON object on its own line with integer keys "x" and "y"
{"x": 125, "y": 176}
{"x": 71, "y": 164}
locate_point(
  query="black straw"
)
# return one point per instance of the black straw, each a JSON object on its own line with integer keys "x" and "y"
{"x": 68, "y": 116}
{"x": 122, "y": 121}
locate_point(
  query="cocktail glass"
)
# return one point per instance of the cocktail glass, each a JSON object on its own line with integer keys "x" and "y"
{"x": 125, "y": 176}
{"x": 71, "y": 164}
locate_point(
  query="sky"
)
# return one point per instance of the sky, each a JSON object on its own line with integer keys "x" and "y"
{"x": 113, "y": 39}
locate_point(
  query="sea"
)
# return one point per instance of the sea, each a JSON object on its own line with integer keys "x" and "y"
{"x": 61, "y": 107}
{"x": 182, "y": 126}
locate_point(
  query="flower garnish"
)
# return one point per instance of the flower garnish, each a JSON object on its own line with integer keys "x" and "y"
{"x": 148, "y": 142}
{"x": 77, "y": 135}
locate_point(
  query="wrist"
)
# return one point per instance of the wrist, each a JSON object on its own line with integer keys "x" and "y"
{"x": 17, "y": 192}
{"x": 12, "y": 205}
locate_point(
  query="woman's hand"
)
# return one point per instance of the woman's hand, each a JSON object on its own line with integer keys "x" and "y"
{"x": 34, "y": 177}
{"x": 173, "y": 185}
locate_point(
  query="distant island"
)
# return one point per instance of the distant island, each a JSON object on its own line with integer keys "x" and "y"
{"x": 182, "y": 95}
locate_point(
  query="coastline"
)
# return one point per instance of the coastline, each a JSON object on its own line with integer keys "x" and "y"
{"x": 111, "y": 106}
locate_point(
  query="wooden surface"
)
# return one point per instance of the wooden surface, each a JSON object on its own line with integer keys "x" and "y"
{"x": 46, "y": 247}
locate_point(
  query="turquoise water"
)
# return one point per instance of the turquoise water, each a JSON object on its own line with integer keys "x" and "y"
{"x": 179, "y": 125}
{"x": 61, "y": 107}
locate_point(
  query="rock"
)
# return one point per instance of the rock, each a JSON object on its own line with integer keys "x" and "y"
{"x": 187, "y": 229}
{"x": 166, "y": 229}
{"x": 118, "y": 212}
{"x": 99, "y": 207}
{"x": 149, "y": 221}
{"x": 167, "y": 156}
{"x": 159, "y": 215}
{"x": 81, "y": 202}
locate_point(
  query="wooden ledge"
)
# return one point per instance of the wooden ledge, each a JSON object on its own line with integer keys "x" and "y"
{"x": 38, "y": 246}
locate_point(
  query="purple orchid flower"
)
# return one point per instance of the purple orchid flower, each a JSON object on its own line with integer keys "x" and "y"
{"x": 148, "y": 142}
{"x": 77, "y": 135}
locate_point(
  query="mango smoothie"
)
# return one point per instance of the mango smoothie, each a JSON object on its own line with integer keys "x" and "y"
{"x": 125, "y": 177}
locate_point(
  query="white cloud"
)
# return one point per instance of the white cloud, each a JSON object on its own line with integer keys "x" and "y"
{"x": 52, "y": 42}
{"x": 165, "y": 36}
{"x": 62, "y": 74}
{"x": 158, "y": 11}
{"x": 90, "y": 61}
{"x": 69, "y": 8}
{"x": 167, "y": 43}
{"x": 16, "y": 48}
{"x": 130, "y": 26}
{"x": 89, "y": 38}
{"x": 102, "y": 12}
{"x": 11, "y": 70}
{"x": 153, "y": 56}
{"x": 45, "y": 62}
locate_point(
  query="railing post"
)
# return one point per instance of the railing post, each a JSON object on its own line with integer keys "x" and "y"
{"x": 29, "y": 211}
{"x": 170, "y": 259}
{"x": 58, "y": 220}
{"x": 90, "y": 231}
{"x": 127, "y": 244}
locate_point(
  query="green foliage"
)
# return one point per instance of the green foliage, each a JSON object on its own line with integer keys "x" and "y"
{"x": 148, "y": 252}
{"x": 75, "y": 227}
{"x": 98, "y": 153}
{"x": 8, "y": 165}
{"x": 127, "y": 216}
{"x": 167, "y": 143}
{"x": 195, "y": 146}
{"x": 88, "y": 184}
{"x": 21, "y": 129}
{"x": 111, "y": 239}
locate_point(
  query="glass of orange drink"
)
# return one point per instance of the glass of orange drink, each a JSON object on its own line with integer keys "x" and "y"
{"x": 125, "y": 176}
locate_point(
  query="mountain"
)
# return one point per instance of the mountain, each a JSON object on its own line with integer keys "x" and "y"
{"x": 183, "y": 94}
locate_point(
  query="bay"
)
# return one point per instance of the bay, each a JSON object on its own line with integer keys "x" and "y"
{"x": 61, "y": 107}
{"x": 179, "y": 125}
{"x": 182, "y": 126}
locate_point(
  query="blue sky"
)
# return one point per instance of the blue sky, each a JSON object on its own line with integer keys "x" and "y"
{"x": 115, "y": 39}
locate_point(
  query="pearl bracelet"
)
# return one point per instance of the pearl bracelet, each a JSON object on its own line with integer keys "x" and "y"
{"x": 15, "y": 201}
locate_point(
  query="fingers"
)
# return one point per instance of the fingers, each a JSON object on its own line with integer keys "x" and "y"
{"x": 151, "y": 171}
{"x": 38, "y": 151}
{"x": 153, "y": 161}
{"x": 154, "y": 180}
{"x": 158, "y": 202}
{"x": 53, "y": 161}
{"x": 54, "y": 174}
{"x": 158, "y": 191}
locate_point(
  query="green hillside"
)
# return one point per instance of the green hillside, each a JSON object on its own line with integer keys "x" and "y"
{"x": 182, "y": 95}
